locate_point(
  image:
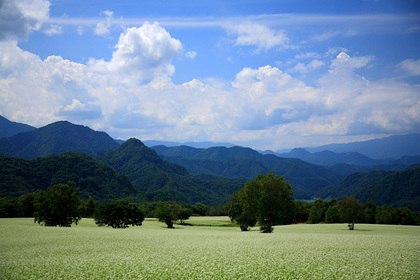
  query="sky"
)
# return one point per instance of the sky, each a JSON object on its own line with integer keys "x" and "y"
{"x": 266, "y": 74}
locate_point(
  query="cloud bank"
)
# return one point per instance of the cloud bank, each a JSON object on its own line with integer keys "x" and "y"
{"x": 132, "y": 94}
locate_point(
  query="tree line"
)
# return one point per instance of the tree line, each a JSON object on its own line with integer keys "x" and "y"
{"x": 265, "y": 201}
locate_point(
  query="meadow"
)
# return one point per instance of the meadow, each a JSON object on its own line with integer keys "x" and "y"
{"x": 201, "y": 251}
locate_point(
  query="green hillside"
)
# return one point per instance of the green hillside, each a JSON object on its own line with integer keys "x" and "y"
{"x": 20, "y": 176}
{"x": 159, "y": 179}
{"x": 351, "y": 184}
{"x": 399, "y": 189}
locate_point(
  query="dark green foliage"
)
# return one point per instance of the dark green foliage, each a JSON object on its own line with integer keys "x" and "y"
{"x": 87, "y": 208}
{"x": 317, "y": 211}
{"x": 22, "y": 206}
{"x": 350, "y": 211}
{"x": 386, "y": 215}
{"x": 399, "y": 189}
{"x": 58, "y": 206}
{"x": 93, "y": 178}
{"x": 167, "y": 212}
{"x": 8, "y": 207}
{"x": 242, "y": 208}
{"x": 301, "y": 212}
{"x": 396, "y": 189}
{"x": 352, "y": 183}
{"x": 332, "y": 215}
{"x": 267, "y": 199}
{"x": 119, "y": 214}
{"x": 275, "y": 205}
{"x": 369, "y": 212}
{"x": 184, "y": 214}
{"x": 55, "y": 138}
{"x": 200, "y": 209}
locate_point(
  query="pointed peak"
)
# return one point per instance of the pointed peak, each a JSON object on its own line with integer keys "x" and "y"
{"x": 132, "y": 142}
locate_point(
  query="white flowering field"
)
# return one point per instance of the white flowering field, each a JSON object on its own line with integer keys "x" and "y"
{"x": 86, "y": 251}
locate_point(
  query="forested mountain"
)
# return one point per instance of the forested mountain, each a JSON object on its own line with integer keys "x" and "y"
{"x": 305, "y": 178}
{"x": 9, "y": 128}
{"x": 159, "y": 179}
{"x": 352, "y": 183}
{"x": 56, "y": 138}
{"x": 393, "y": 188}
{"x": 399, "y": 189}
{"x": 183, "y": 173}
{"x": 395, "y": 146}
{"x": 94, "y": 178}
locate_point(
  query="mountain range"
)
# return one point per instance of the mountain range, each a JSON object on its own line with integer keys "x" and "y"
{"x": 329, "y": 158}
{"x": 236, "y": 161}
{"x": 395, "y": 146}
{"x": 184, "y": 173}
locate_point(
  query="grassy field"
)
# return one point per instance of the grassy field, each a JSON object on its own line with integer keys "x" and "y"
{"x": 86, "y": 251}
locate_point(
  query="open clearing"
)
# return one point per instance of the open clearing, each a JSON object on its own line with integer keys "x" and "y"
{"x": 327, "y": 251}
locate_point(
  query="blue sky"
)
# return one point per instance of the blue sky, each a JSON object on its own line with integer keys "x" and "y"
{"x": 264, "y": 74}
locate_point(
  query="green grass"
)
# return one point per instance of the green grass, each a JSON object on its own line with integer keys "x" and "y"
{"x": 328, "y": 251}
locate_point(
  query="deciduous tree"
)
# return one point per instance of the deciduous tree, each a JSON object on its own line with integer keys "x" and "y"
{"x": 167, "y": 212}
{"x": 350, "y": 211}
{"x": 58, "y": 205}
{"x": 267, "y": 199}
{"x": 119, "y": 214}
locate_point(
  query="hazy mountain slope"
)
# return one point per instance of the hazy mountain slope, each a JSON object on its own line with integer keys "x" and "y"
{"x": 9, "y": 128}
{"x": 327, "y": 158}
{"x": 390, "y": 147}
{"x": 198, "y": 145}
{"x": 306, "y": 178}
{"x": 93, "y": 178}
{"x": 57, "y": 138}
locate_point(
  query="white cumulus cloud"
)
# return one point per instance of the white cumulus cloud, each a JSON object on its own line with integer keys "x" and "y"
{"x": 142, "y": 53}
{"x": 132, "y": 95}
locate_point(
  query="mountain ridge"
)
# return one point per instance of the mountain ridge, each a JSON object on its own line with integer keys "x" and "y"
{"x": 9, "y": 128}
{"x": 394, "y": 146}
{"x": 56, "y": 138}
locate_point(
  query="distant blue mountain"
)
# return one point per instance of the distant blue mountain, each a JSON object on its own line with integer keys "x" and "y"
{"x": 390, "y": 147}
{"x": 197, "y": 145}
